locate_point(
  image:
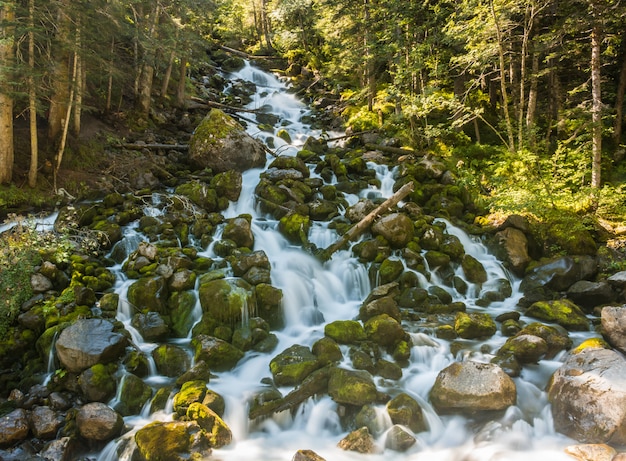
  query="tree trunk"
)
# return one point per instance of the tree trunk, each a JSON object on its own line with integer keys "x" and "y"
{"x": 532, "y": 98}
{"x": 596, "y": 108}
{"x": 7, "y": 14}
{"x": 168, "y": 74}
{"x": 60, "y": 77}
{"x": 619, "y": 100}
{"x": 265, "y": 22}
{"x": 79, "y": 84}
{"x": 32, "y": 98}
{"x": 66, "y": 124}
{"x": 503, "y": 86}
{"x": 110, "y": 81}
{"x": 182, "y": 82}
{"x": 147, "y": 69}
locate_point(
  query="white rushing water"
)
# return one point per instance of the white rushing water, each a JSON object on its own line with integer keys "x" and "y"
{"x": 316, "y": 293}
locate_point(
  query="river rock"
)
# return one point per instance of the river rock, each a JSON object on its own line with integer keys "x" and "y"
{"x": 618, "y": 280}
{"x": 396, "y": 228}
{"x": 515, "y": 245}
{"x": 352, "y": 387}
{"x": 221, "y": 144}
{"x": 473, "y": 269}
{"x": 228, "y": 184}
{"x": 45, "y": 422}
{"x": 218, "y": 354}
{"x": 171, "y": 360}
{"x": 560, "y": 273}
{"x": 87, "y": 342}
{"x": 561, "y": 311}
{"x": 405, "y": 410}
{"x": 149, "y": 293}
{"x": 174, "y": 440}
{"x": 613, "y": 320}
{"x": 40, "y": 283}
{"x": 359, "y": 440}
{"x": 345, "y": 331}
{"x": 525, "y": 348}
{"x": 98, "y": 383}
{"x": 150, "y": 326}
{"x": 588, "y": 294}
{"x": 14, "y": 427}
{"x": 133, "y": 395}
{"x": 218, "y": 431}
{"x": 591, "y": 452}
{"x": 291, "y": 366}
{"x": 62, "y": 449}
{"x": 374, "y": 306}
{"x": 307, "y": 455}
{"x": 556, "y": 337}
{"x": 398, "y": 439}
{"x": 472, "y": 386}
{"x": 226, "y": 299}
{"x": 474, "y": 325}
{"x": 588, "y": 396}
{"x": 384, "y": 330}
{"x": 97, "y": 421}
{"x": 239, "y": 230}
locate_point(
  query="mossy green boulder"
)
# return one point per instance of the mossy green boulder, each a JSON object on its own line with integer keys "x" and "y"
{"x": 173, "y": 441}
{"x": 561, "y": 311}
{"x": 384, "y": 330}
{"x": 171, "y": 360}
{"x": 351, "y": 387}
{"x": 134, "y": 393}
{"x": 218, "y": 354}
{"x": 295, "y": 227}
{"x": 473, "y": 269}
{"x": 221, "y": 144}
{"x": 227, "y": 300}
{"x": 290, "y": 367}
{"x": 218, "y": 431}
{"x": 404, "y": 409}
{"x": 345, "y": 331}
{"x": 190, "y": 392}
{"x": 474, "y": 325}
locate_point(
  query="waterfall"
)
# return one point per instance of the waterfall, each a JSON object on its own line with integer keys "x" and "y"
{"x": 315, "y": 293}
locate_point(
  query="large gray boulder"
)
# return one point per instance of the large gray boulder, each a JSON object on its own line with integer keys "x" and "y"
{"x": 396, "y": 228}
{"x": 221, "y": 144}
{"x": 97, "y": 421}
{"x": 515, "y": 245}
{"x": 613, "y": 320}
{"x": 588, "y": 396}
{"x": 471, "y": 387}
{"x": 87, "y": 342}
{"x": 560, "y": 273}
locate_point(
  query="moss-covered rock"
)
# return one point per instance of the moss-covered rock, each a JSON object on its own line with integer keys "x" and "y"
{"x": 562, "y": 311}
{"x": 190, "y": 392}
{"x": 171, "y": 360}
{"x": 473, "y": 269}
{"x": 395, "y": 228}
{"x": 474, "y": 325}
{"x": 149, "y": 294}
{"x": 404, "y": 409}
{"x": 218, "y": 354}
{"x": 221, "y": 144}
{"x": 172, "y": 441}
{"x": 200, "y": 194}
{"x": 295, "y": 227}
{"x": 227, "y": 300}
{"x": 525, "y": 348}
{"x": 133, "y": 395}
{"x": 390, "y": 270}
{"x": 327, "y": 351}
{"x": 352, "y": 387}
{"x": 181, "y": 305}
{"x": 97, "y": 383}
{"x": 384, "y": 330}
{"x": 556, "y": 337}
{"x": 345, "y": 331}
{"x": 239, "y": 230}
{"x": 290, "y": 367}
{"x": 218, "y": 431}
{"x": 228, "y": 184}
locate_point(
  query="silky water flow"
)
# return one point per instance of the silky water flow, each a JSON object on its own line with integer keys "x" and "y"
{"x": 316, "y": 293}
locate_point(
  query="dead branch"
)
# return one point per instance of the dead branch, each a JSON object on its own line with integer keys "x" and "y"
{"x": 364, "y": 223}
{"x": 154, "y": 146}
{"x": 390, "y": 150}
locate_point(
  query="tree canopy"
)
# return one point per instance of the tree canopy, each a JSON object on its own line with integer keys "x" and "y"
{"x": 526, "y": 94}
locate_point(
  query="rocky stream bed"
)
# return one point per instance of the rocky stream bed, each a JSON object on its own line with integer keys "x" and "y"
{"x": 434, "y": 335}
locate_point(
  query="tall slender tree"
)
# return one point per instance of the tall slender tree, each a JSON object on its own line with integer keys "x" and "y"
{"x": 7, "y": 56}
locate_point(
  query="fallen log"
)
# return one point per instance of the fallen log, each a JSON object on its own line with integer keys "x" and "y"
{"x": 364, "y": 223}
{"x": 154, "y": 146}
{"x": 201, "y": 103}
{"x": 391, "y": 150}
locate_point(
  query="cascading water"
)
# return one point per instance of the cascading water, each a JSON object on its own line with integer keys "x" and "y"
{"x": 316, "y": 293}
